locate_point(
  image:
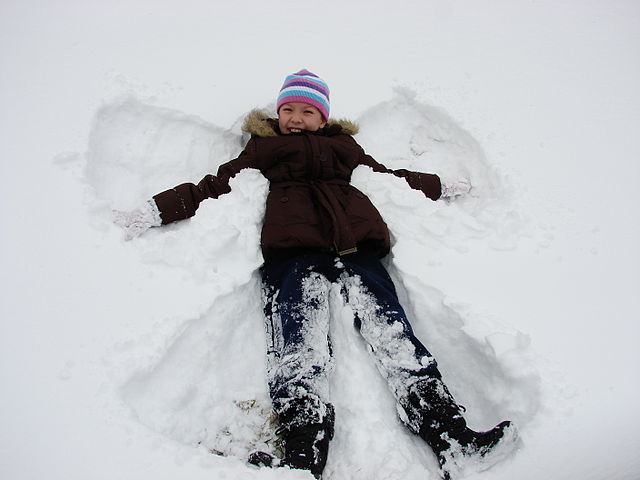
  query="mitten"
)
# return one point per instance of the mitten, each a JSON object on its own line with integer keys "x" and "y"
{"x": 137, "y": 221}
{"x": 455, "y": 189}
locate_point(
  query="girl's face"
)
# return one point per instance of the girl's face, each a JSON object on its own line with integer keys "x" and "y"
{"x": 297, "y": 116}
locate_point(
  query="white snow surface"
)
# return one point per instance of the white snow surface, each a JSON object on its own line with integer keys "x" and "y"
{"x": 137, "y": 360}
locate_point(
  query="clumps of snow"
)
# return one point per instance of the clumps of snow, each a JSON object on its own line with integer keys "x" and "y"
{"x": 208, "y": 386}
{"x": 201, "y": 379}
{"x": 293, "y": 366}
{"x": 392, "y": 351}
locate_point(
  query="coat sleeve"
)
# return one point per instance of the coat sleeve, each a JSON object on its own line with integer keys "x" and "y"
{"x": 427, "y": 183}
{"x": 183, "y": 200}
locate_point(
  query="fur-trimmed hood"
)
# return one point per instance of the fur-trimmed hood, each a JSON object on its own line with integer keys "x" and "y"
{"x": 257, "y": 122}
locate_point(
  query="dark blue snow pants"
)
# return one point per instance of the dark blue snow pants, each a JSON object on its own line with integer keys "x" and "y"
{"x": 296, "y": 304}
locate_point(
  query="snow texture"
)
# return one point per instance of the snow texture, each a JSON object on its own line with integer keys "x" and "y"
{"x": 198, "y": 390}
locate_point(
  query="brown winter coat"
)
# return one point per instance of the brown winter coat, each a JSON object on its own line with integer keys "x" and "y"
{"x": 310, "y": 202}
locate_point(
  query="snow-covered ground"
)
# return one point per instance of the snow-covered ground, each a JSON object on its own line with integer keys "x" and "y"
{"x": 133, "y": 360}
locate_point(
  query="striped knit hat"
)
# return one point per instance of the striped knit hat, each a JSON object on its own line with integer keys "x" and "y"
{"x": 306, "y": 87}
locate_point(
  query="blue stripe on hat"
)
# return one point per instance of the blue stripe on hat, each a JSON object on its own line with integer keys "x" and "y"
{"x": 288, "y": 92}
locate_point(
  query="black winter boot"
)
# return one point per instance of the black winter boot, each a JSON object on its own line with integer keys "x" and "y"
{"x": 306, "y": 446}
{"x": 437, "y": 418}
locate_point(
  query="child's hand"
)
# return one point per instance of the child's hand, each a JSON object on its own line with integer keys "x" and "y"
{"x": 137, "y": 221}
{"x": 455, "y": 189}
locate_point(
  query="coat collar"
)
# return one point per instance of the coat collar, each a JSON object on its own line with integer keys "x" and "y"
{"x": 258, "y": 123}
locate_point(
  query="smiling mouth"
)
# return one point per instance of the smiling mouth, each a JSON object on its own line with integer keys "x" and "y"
{"x": 295, "y": 130}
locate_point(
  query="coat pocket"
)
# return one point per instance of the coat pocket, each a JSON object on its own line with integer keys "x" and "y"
{"x": 291, "y": 206}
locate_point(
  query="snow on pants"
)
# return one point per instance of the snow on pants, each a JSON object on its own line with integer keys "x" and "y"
{"x": 296, "y": 304}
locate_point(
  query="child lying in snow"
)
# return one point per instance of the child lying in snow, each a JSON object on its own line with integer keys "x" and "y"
{"x": 319, "y": 229}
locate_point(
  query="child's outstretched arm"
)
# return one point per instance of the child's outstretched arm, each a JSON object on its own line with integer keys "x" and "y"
{"x": 182, "y": 201}
{"x": 428, "y": 183}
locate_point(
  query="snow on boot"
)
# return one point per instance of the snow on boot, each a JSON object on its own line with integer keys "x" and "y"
{"x": 433, "y": 413}
{"x": 306, "y": 446}
{"x": 476, "y": 451}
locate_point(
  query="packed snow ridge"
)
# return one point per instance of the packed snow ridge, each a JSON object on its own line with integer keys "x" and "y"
{"x": 200, "y": 379}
